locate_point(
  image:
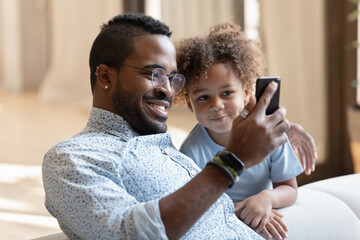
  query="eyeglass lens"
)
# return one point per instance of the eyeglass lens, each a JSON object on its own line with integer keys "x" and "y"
{"x": 159, "y": 77}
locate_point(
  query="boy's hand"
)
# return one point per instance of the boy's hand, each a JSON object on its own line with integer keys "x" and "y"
{"x": 255, "y": 211}
{"x": 304, "y": 146}
{"x": 275, "y": 227}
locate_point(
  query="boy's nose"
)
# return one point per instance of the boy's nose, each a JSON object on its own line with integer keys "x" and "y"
{"x": 216, "y": 104}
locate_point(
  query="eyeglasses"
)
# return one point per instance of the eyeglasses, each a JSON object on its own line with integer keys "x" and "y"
{"x": 159, "y": 76}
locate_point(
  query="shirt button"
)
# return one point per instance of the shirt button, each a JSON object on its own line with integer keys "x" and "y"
{"x": 193, "y": 173}
{"x": 218, "y": 201}
{"x": 231, "y": 219}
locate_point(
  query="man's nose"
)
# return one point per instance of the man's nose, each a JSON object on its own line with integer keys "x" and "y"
{"x": 166, "y": 88}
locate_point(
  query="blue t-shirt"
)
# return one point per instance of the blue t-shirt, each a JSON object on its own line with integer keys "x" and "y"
{"x": 281, "y": 165}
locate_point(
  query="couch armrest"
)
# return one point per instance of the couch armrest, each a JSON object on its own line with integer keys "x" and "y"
{"x": 346, "y": 188}
{"x": 319, "y": 215}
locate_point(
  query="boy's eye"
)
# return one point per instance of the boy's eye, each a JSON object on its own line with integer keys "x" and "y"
{"x": 203, "y": 98}
{"x": 227, "y": 93}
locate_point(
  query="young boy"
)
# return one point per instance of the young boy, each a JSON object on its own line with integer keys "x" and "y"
{"x": 221, "y": 70}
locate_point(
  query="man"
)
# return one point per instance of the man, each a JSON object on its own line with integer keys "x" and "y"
{"x": 121, "y": 177}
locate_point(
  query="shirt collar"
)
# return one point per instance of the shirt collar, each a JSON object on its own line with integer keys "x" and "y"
{"x": 110, "y": 123}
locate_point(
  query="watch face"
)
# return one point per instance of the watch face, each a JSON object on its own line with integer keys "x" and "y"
{"x": 232, "y": 160}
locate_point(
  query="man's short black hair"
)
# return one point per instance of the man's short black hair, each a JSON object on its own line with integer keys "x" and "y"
{"x": 115, "y": 41}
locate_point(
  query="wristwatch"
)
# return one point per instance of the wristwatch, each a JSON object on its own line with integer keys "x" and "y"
{"x": 231, "y": 160}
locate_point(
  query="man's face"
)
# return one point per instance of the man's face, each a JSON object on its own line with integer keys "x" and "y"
{"x": 135, "y": 99}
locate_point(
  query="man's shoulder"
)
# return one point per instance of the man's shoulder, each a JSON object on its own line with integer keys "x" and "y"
{"x": 85, "y": 144}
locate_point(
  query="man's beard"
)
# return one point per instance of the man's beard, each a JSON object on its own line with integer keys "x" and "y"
{"x": 129, "y": 108}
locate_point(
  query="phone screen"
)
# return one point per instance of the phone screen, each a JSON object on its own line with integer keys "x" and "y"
{"x": 261, "y": 84}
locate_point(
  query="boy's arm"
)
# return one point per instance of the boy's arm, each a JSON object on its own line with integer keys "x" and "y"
{"x": 284, "y": 193}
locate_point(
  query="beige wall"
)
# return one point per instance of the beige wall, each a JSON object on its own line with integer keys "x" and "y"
{"x": 293, "y": 35}
{"x": 74, "y": 26}
{"x": 48, "y": 42}
{"x": 24, "y": 52}
{"x": 188, "y": 17}
{"x": 35, "y": 41}
{"x": 45, "y": 45}
{"x": 11, "y": 50}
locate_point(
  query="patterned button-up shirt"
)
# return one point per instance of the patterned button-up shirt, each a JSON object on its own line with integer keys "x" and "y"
{"x": 106, "y": 182}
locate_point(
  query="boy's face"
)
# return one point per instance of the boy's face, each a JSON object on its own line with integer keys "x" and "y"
{"x": 218, "y": 99}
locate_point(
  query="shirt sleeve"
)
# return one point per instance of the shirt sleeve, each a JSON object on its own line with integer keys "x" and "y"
{"x": 87, "y": 196}
{"x": 284, "y": 164}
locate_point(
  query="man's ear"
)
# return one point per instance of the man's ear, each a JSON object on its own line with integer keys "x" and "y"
{"x": 103, "y": 76}
{"x": 188, "y": 103}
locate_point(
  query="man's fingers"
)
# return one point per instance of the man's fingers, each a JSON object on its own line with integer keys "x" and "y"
{"x": 265, "y": 98}
{"x": 282, "y": 127}
{"x": 249, "y": 107}
{"x": 278, "y": 116}
{"x": 251, "y": 104}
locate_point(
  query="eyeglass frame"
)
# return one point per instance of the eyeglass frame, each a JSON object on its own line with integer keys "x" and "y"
{"x": 168, "y": 77}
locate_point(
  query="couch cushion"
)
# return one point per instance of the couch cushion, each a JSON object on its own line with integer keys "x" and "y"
{"x": 318, "y": 215}
{"x": 346, "y": 188}
{"x": 56, "y": 236}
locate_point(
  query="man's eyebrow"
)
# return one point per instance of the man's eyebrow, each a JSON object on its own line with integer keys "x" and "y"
{"x": 154, "y": 65}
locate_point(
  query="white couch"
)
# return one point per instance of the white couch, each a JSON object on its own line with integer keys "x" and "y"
{"x": 327, "y": 209}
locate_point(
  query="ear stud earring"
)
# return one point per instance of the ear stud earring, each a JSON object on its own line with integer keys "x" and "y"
{"x": 106, "y": 87}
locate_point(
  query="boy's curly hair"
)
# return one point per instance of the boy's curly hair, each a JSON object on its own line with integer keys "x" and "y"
{"x": 225, "y": 43}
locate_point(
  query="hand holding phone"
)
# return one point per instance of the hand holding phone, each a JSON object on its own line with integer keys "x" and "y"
{"x": 261, "y": 84}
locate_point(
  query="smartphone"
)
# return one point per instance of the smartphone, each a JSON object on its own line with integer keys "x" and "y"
{"x": 261, "y": 84}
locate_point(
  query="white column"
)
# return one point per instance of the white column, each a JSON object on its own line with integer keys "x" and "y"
{"x": 11, "y": 77}
{"x": 188, "y": 18}
{"x": 294, "y": 42}
{"x": 75, "y": 24}
{"x": 358, "y": 64}
{"x": 153, "y": 8}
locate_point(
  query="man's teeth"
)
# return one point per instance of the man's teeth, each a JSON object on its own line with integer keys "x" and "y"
{"x": 158, "y": 107}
